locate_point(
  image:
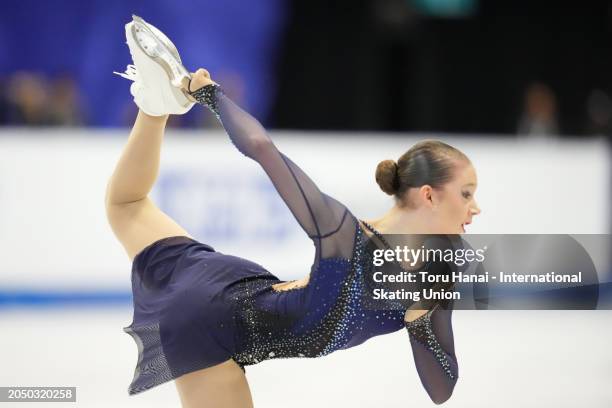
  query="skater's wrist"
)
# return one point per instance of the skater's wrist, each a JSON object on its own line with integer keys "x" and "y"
{"x": 414, "y": 316}
{"x": 208, "y": 96}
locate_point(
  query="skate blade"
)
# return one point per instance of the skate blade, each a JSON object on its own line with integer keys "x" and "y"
{"x": 155, "y": 48}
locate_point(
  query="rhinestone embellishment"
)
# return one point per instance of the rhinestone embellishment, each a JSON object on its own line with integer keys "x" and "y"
{"x": 421, "y": 330}
{"x": 207, "y": 96}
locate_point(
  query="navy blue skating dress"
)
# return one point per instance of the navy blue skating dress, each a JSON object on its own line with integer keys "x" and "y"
{"x": 195, "y": 307}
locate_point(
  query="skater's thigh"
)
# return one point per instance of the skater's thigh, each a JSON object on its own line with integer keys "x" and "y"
{"x": 140, "y": 223}
{"x": 221, "y": 386}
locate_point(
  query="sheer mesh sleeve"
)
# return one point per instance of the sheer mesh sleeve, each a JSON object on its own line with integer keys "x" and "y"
{"x": 431, "y": 337}
{"x": 323, "y": 218}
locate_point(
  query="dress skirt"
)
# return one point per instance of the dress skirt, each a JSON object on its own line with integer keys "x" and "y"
{"x": 185, "y": 308}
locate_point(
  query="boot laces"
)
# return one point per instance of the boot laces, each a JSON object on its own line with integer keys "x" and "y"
{"x": 130, "y": 73}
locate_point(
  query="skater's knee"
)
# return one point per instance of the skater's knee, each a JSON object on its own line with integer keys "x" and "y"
{"x": 119, "y": 215}
{"x": 115, "y": 198}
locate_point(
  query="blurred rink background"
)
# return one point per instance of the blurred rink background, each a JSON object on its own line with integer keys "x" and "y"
{"x": 522, "y": 88}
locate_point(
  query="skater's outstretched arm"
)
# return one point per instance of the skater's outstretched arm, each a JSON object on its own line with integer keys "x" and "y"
{"x": 318, "y": 214}
{"x": 433, "y": 348}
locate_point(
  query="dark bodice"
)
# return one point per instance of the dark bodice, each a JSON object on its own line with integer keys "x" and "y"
{"x": 326, "y": 315}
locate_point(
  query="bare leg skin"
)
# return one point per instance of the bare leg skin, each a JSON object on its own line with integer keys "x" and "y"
{"x": 221, "y": 386}
{"x": 133, "y": 217}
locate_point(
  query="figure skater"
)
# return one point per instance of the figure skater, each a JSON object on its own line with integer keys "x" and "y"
{"x": 201, "y": 316}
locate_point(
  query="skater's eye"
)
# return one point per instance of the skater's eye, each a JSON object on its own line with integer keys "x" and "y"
{"x": 467, "y": 194}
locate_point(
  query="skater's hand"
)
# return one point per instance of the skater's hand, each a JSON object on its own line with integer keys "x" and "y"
{"x": 199, "y": 79}
{"x": 412, "y": 315}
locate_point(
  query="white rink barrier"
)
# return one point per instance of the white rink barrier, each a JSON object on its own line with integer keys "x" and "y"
{"x": 54, "y": 234}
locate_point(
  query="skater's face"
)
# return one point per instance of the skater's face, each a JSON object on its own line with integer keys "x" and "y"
{"x": 454, "y": 205}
